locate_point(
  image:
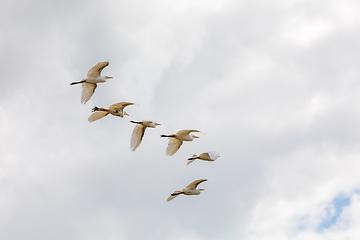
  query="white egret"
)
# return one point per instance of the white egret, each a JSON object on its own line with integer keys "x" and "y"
{"x": 116, "y": 109}
{"x": 206, "y": 156}
{"x": 177, "y": 139}
{"x": 139, "y": 131}
{"x": 189, "y": 190}
{"x": 89, "y": 84}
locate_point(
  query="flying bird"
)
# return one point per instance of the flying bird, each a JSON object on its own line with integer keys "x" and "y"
{"x": 206, "y": 156}
{"x": 138, "y": 132}
{"x": 177, "y": 139}
{"x": 89, "y": 84}
{"x": 116, "y": 109}
{"x": 189, "y": 190}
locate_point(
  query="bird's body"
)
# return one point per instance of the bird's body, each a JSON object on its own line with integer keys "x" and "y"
{"x": 139, "y": 131}
{"x": 89, "y": 84}
{"x": 177, "y": 139}
{"x": 207, "y": 156}
{"x": 191, "y": 189}
{"x": 116, "y": 109}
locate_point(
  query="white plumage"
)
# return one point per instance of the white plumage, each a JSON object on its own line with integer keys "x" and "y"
{"x": 89, "y": 84}
{"x": 191, "y": 189}
{"x": 177, "y": 139}
{"x": 206, "y": 156}
{"x": 117, "y": 109}
{"x": 139, "y": 131}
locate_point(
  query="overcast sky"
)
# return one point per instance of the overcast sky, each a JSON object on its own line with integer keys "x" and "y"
{"x": 273, "y": 85}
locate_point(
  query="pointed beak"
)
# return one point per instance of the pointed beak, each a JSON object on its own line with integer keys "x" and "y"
{"x": 201, "y": 189}
{"x": 157, "y": 124}
{"x": 196, "y": 137}
{"x": 110, "y": 77}
{"x": 126, "y": 114}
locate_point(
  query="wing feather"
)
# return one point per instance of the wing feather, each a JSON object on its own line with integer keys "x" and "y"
{"x": 120, "y": 105}
{"x": 173, "y": 146}
{"x": 173, "y": 195}
{"x": 194, "y": 184}
{"x": 186, "y": 132}
{"x": 190, "y": 161}
{"x": 205, "y": 156}
{"x": 137, "y": 136}
{"x": 88, "y": 90}
{"x": 96, "y": 70}
{"x": 97, "y": 115}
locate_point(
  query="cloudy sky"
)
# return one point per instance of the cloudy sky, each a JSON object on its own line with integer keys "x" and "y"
{"x": 273, "y": 85}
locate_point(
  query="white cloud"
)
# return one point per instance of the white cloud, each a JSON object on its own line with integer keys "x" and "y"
{"x": 273, "y": 86}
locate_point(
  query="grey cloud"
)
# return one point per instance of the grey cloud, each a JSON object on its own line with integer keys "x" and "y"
{"x": 282, "y": 113}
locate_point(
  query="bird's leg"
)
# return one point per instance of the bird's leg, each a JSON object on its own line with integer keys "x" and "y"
{"x": 99, "y": 109}
{"x": 176, "y": 193}
{"x": 163, "y": 135}
{"x": 73, "y": 83}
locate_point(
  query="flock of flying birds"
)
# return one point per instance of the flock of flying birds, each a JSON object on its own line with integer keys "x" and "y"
{"x": 89, "y": 85}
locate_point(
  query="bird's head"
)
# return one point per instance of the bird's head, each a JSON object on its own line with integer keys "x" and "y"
{"x": 214, "y": 155}
{"x": 151, "y": 124}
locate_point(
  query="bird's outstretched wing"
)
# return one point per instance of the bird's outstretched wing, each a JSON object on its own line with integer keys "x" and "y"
{"x": 194, "y": 184}
{"x": 173, "y": 146}
{"x": 137, "y": 136}
{"x": 205, "y": 156}
{"x": 120, "y": 105}
{"x": 186, "y": 132}
{"x": 190, "y": 161}
{"x": 88, "y": 90}
{"x": 173, "y": 195}
{"x": 97, "y": 115}
{"x": 193, "y": 158}
{"x": 96, "y": 70}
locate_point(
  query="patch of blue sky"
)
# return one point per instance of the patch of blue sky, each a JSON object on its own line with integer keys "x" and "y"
{"x": 334, "y": 211}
